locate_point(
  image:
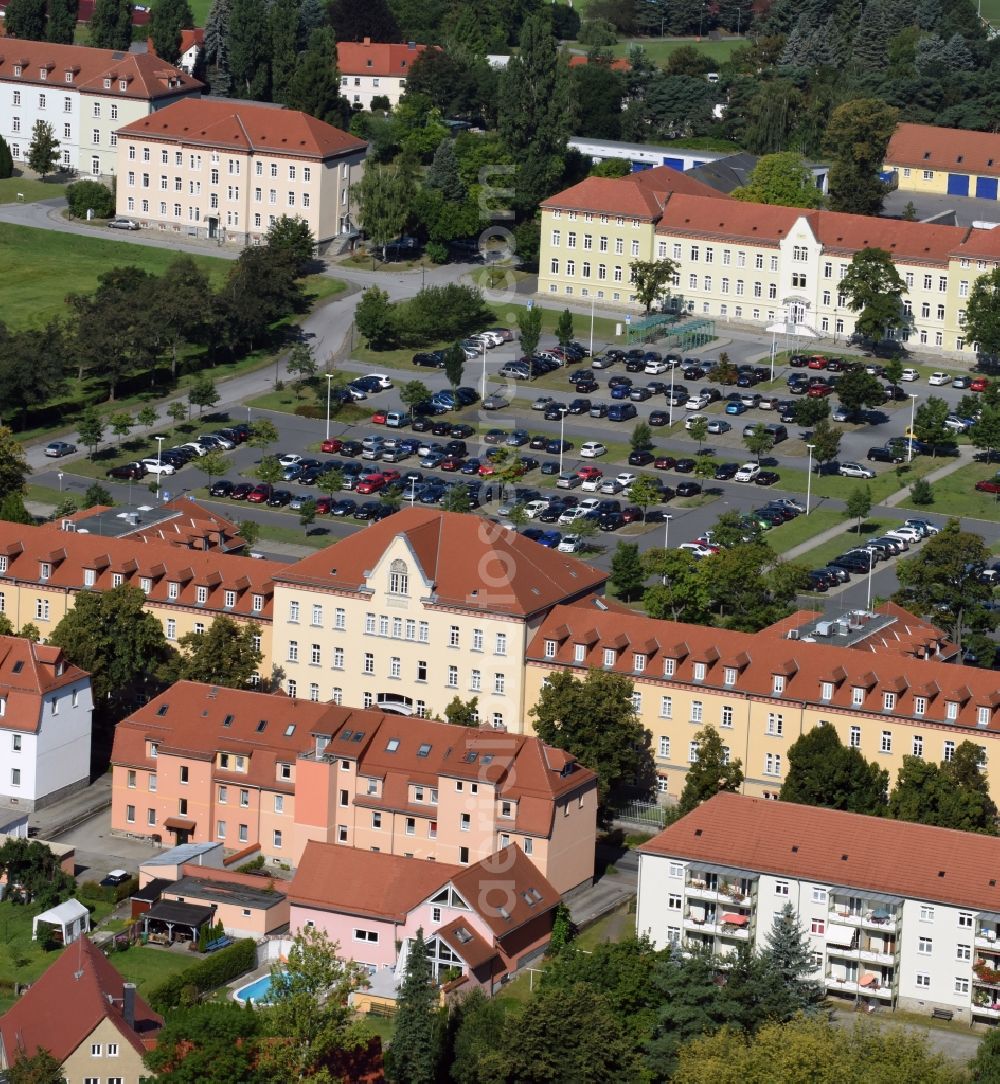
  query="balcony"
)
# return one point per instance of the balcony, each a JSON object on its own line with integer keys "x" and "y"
{"x": 987, "y": 937}
{"x": 718, "y": 890}
{"x": 872, "y": 918}
{"x": 986, "y": 975}
{"x": 867, "y": 987}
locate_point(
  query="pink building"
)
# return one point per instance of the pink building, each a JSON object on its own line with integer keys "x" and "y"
{"x": 486, "y": 920}
{"x": 204, "y": 764}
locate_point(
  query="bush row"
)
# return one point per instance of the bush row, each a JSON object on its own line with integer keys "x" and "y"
{"x": 224, "y": 966}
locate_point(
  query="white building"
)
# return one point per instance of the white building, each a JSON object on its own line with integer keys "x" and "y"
{"x": 374, "y": 69}
{"x": 897, "y": 914}
{"x": 45, "y": 724}
{"x": 85, "y": 94}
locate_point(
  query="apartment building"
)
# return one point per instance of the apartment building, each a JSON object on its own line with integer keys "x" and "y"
{"x": 880, "y": 679}
{"x": 374, "y": 69}
{"x": 925, "y": 158}
{"x": 484, "y": 921}
{"x": 85, "y": 94}
{"x": 86, "y": 1016}
{"x": 227, "y": 170}
{"x": 420, "y": 608}
{"x": 898, "y": 915}
{"x": 250, "y": 769}
{"x": 594, "y": 231}
{"x": 773, "y": 267}
{"x": 43, "y": 568}
{"x": 45, "y": 724}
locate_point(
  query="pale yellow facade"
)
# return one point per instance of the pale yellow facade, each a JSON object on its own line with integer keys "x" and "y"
{"x": 104, "y": 1055}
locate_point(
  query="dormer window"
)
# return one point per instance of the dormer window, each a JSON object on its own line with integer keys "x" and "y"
{"x": 399, "y": 579}
{"x": 729, "y": 675}
{"x": 579, "y": 652}
{"x": 3, "y": 563}
{"x": 145, "y": 585}
{"x": 951, "y": 709}
{"x": 982, "y": 716}
{"x": 107, "y": 84}
{"x": 117, "y": 579}
{"x": 153, "y": 750}
{"x": 258, "y": 603}
{"x": 202, "y": 594}
{"x": 173, "y": 590}
{"x": 638, "y": 662}
{"x": 777, "y": 683}
{"x": 43, "y": 74}
{"x": 857, "y": 696}
{"x": 17, "y": 69}
{"x": 44, "y": 570}
{"x": 550, "y": 649}
{"x": 609, "y": 656}
{"x": 699, "y": 671}
{"x": 669, "y": 667}
{"x": 230, "y": 599}
{"x": 919, "y": 705}
{"x": 123, "y": 84}
{"x": 69, "y": 77}
{"x": 826, "y": 690}
{"x": 888, "y": 701}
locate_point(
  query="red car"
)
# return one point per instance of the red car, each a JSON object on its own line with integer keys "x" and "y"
{"x": 589, "y": 474}
{"x": 390, "y": 476}
{"x": 323, "y": 506}
{"x": 333, "y": 445}
{"x": 372, "y": 484}
{"x": 819, "y": 391}
{"x": 487, "y": 469}
{"x": 817, "y": 362}
{"x": 378, "y": 418}
{"x": 989, "y": 485}
{"x": 979, "y": 384}
{"x": 665, "y": 462}
{"x": 451, "y": 463}
{"x": 242, "y": 491}
{"x": 261, "y": 492}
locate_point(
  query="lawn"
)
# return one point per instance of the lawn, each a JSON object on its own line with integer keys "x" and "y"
{"x": 659, "y": 49}
{"x": 955, "y": 494}
{"x": 881, "y": 486}
{"x": 802, "y": 528}
{"x": 148, "y": 967}
{"x": 825, "y": 553}
{"x": 31, "y": 189}
{"x": 990, "y": 10}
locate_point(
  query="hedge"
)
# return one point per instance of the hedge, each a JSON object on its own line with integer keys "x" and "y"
{"x": 224, "y": 966}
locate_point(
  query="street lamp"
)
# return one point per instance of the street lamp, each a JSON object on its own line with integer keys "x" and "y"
{"x": 809, "y": 477}
{"x": 248, "y": 415}
{"x": 913, "y": 417}
{"x": 483, "y": 394}
{"x": 774, "y": 349}
{"x": 159, "y": 463}
{"x": 60, "y": 481}
{"x": 562, "y": 434}
{"x": 592, "y": 302}
{"x": 329, "y": 386}
{"x": 670, "y": 417}
{"x": 666, "y": 540}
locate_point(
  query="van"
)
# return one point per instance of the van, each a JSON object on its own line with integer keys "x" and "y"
{"x": 397, "y": 419}
{"x": 622, "y": 412}
{"x": 778, "y": 433}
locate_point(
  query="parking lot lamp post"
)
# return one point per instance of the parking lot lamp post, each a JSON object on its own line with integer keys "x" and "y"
{"x": 60, "y": 481}
{"x": 329, "y": 386}
{"x": 592, "y": 302}
{"x": 670, "y": 417}
{"x": 871, "y": 565}
{"x": 913, "y": 417}
{"x": 666, "y": 540}
{"x": 159, "y": 457}
{"x": 483, "y": 395}
{"x": 774, "y": 350}
{"x": 562, "y": 434}
{"x": 809, "y": 477}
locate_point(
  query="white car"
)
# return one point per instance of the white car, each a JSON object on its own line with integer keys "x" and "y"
{"x": 625, "y": 479}
{"x": 591, "y": 449}
{"x": 289, "y": 459}
{"x": 925, "y": 527}
{"x": 696, "y": 548}
{"x": 199, "y": 449}
{"x": 692, "y": 420}
{"x": 154, "y": 467}
{"x": 698, "y": 401}
{"x": 383, "y": 381}
{"x": 655, "y": 368}
{"x": 570, "y": 543}
{"x": 908, "y": 534}
{"x": 855, "y": 470}
{"x": 533, "y": 509}
{"x": 717, "y": 425}
{"x": 939, "y": 379}
{"x": 592, "y": 485}
{"x": 610, "y": 486}
{"x": 747, "y": 473}
{"x": 910, "y": 374}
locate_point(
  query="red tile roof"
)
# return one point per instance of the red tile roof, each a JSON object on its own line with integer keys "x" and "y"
{"x": 925, "y": 146}
{"x": 834, "y": 848}
{"x": 757, "y": 657}
{"x": 64, "y": 1006}
{"x": 257, "y": 129}
{"x": 193, "y": 526}
{"x": 27, "y": 672}
{"x": 506, "y": 889}
{"x": 70, "y": 554}
{"x": 618, "y": 64}
{"x": 147, "y": 77}
{"x": 376, "y": 58}
{"x": 470, "y": 564}
{"x": 642, "y": 194}
{"x": 189, "y": 38}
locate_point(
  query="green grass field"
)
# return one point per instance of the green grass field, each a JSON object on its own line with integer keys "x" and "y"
{"x": 32, "y": 190}
{"x": 659, "y": 49}
{"x": 51, "y": 265}
{"x": 802, "y": 528}
{"x": 990, "y": 10}
{"x": 148, "y": 967}
{"x": 826, "y": 552}
{"x": 955, "y": 494}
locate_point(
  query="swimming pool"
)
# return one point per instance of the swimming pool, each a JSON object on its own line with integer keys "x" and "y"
{"x": 259, "y": 991}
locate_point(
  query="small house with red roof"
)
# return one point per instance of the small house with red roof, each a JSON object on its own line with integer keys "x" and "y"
{"x": 375, "y": 69}
{"x": 86, "y": 1016}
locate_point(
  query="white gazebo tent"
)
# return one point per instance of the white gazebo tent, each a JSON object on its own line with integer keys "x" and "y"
{"x": 71, "y": 917}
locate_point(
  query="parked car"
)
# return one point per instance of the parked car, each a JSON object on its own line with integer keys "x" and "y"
{"x": 55, "y": 449}
{"x": 495, "y": 402}
{"x": 939, "y": 379}
{"x": 262, "y": 491}
{"x": 157, "y": 466}
{"x": 130, "y": 471}
{"x": 591, "y": 449}
{"x": 688, "y": 489}
{"x": 747, "y": 473}
{"x": 122, "y": 224}
{"x": 725, "y": 472}
{"x": 221, "y": 488}
{"x": 855, "y": 470}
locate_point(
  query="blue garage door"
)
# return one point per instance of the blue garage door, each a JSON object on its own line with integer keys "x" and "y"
{"x": 674, "y": 163}
{"x": 638, "y": 166}
{"x": 986, "y": 187}
{"x": 958, "y": 184}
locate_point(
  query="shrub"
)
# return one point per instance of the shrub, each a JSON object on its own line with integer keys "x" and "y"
{"x": 309, "y": 410}
{"x": 251, "y": 866}
{"x": 440, "y": 312}
{"x": 921, "y": 492}
{"x": 90, "y": 890}
{"x": 598, "y": 32}
{"x": 436, "y": 252}
{"x": 224, "y": 966}
{"x": 85, "y": 196}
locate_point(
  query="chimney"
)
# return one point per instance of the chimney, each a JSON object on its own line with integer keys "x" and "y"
{"x": 128, "y": 1003}
{"x": 367, "y": 41}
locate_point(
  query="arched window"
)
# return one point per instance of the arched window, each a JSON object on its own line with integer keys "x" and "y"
{"x": 398, "y": 578}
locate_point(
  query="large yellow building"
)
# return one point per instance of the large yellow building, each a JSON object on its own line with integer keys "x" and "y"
{"x": 882, "y": 680}
{"x": 776, "y": 268}
{"x": 227, "y": 170}
{"x": 944, "y": 161}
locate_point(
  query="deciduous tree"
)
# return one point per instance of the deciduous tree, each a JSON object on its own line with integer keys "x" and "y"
{"x": 111, "y": 25}
{"x": 952, "y": 794}
{"x": 857, "y": 136}
{"x": 711, "y": 770}
{"x": 823, "y": 771}
{"x": 782, "y": 179}
{"x": 929, "y": 422}
{"x": 628, "y": 573}
{"x": 14, "y": 469}
{"x": 383, "y": 197}
{"x": 652, "y": 280}
{"x": 982, "y": 313}
{"x": 374, "y": 318}
{"x": 595, "y": 720}
{"x": 315, "y": 83}
{"x": 25, "y": 19}
{"x": 859, "y": 504}
{"x": 91, "y": 429}
{"x": 461, "y": 712}
{"x": 759, "y": 442}
{"x": 167, "y": 19}
{"x": 210, "y": 1043}
{"x": 249, "y": 49}
{"x": 874, "y": 289}
{"x": 529, "y": 325}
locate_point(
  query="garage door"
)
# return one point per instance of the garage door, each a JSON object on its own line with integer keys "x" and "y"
{"x": 637, "y": 167}
{"x": 674, "y": 163}
{"x": 986, "y": 187}
{"x": 958, "y": 184}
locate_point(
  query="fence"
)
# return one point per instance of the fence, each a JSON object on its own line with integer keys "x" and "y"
{"x": 645, "y": 814}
